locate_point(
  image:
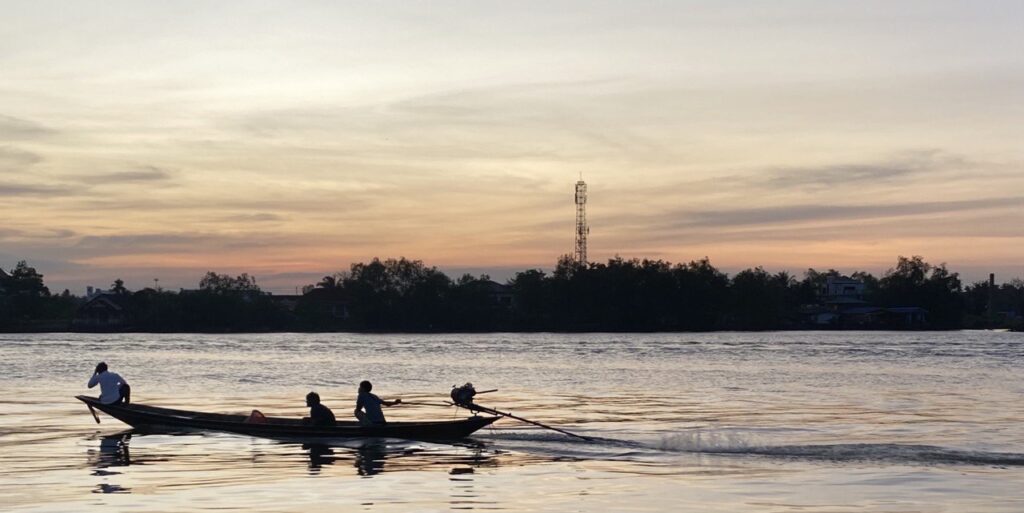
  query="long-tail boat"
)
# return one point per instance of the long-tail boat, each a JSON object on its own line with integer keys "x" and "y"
{"x": 143, "y": 416}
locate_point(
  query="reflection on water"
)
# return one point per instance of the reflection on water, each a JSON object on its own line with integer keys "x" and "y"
{"x": 368, "y": 457}
{"x": 319, "y": 455}
{"x": 373, "y": 456}
{"x": 113, "y": 452}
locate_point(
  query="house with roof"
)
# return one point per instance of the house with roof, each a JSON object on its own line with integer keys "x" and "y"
{"x": 499, "y": 294}
{"x": 104, "y": 311}
{"x": 842, "y": 292}
{"x": 325, "y": 303}
{"x": 843, "y": 287}
{"x": 841, "y": 303}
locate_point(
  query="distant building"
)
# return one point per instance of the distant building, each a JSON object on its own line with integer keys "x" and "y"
{"x": 499, "y": 294}
{"x": 839, "y": 294}
{"x": 103, "y": 311}
{"x": 287, "y": 302}
{"x": 837, "y": 287}
{"x": 906, "y": 317}
{"x": 861, "y": 317}
{"x": 91, "y": 292}
{"x": 841, "y": 304}
{"x": 332, "y": 302}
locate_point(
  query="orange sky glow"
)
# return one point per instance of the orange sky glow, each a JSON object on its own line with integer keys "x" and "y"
{"x": 289, "y": 140}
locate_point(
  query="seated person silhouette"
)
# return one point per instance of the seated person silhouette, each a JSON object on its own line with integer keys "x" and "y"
{"x": 368, "y": 406}
{"x": 319, "y": 415}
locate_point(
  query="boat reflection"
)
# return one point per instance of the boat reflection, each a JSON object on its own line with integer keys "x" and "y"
{"x": 368, "y": 457}
{"x": 374, "y": 456}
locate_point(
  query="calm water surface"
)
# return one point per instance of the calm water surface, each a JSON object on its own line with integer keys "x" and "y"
{"x": 766, "y": 422}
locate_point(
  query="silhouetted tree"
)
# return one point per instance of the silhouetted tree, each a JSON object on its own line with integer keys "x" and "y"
{"x": 118, "y": 287}
{"x": 914, "y": 282}
{"x": 759, "y": 299}
{"x": 533, "y": 298}
{"x": 617, "y": 295}
{"x": 26, "y": 281}
{"x": 1007, "y": 304}
{"x": 397, "y": 294}
{"x": 224, "y": 283}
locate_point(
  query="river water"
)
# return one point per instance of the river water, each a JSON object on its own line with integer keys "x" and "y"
{"x": 730, "y": 422}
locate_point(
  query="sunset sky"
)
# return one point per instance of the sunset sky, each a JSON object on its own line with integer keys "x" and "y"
{"x": 288, "y": 139}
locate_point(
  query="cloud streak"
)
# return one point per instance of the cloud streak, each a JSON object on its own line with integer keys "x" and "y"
{"x": 903, "y": 167}
{"x": 12, "y": 128}
{"x": 15, "y": 159}
{"x": 143, "y": 174}
{"x": 823, "y": 212}
{"x": 10, "y": 190}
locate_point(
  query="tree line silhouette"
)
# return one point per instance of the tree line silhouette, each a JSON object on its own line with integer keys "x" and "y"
{"x": 407, "y": 295}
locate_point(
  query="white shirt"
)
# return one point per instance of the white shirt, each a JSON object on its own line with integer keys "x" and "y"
{"x": 110, "y": 386}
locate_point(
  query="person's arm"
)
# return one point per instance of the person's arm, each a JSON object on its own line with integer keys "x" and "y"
{"x": 359, "y": 404}
{"x": 94, "y": 380}
{"x": 391, "y": 403}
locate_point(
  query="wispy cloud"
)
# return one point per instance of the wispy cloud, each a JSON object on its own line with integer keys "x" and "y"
{"x": 53, "y": 233}
{"x": 904, "y": 166}
{"x": 12, "y": 128}
{"x": 140, "y": 175}
{"x": 256, "y": 217}
{"x": 15, "y": 159}
{"x": 15, "y": 190}
{"x": 149, "y": 243}
{"x": 825, "y": 212}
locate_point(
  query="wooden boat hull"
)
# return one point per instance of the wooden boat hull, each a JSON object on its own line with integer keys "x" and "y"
{"x": 150, "y": 417}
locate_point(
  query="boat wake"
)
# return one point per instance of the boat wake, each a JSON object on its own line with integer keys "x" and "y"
{"x": 732, "y": 445}
{"x": 865, "y": 452}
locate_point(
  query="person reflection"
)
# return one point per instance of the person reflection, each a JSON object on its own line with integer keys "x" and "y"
{"x": 370, "y": 458}
{"x": 319, "y": 455}
{"x": 113, "y": 452}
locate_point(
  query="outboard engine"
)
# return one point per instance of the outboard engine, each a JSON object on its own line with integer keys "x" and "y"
{"x": 463, "y": 396}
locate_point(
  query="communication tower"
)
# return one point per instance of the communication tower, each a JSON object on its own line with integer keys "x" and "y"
{"x": 582, "y": 230}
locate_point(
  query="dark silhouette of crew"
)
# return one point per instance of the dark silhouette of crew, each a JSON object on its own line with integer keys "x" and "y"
{"x": 368, "y": 406}
{"x": 113, "y": 388}
{"x": 319, "y": 415}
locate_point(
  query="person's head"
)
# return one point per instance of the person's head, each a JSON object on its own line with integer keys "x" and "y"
{"x": 101, "y": 367}
{"x": 365, "y": 386}
{"x": 312, "y": 399}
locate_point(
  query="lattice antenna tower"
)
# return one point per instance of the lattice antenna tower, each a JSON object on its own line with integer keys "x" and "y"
{"x": 582, "y": 230}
